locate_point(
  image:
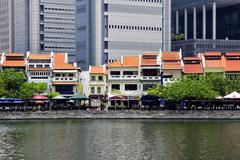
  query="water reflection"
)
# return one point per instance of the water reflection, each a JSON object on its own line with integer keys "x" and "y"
{"x": 119, "y": 140}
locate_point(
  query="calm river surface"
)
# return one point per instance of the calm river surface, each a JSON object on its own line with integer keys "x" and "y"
{"x": 119, "y": 140}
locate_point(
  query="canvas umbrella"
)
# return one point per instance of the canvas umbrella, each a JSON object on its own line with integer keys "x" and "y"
{"x": 60, "y": 97}
{"x": 233, "y": 95}
{"x": 39, "y": 97}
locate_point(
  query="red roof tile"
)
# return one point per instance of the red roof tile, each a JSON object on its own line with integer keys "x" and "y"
{"x": 39, "y": 56}
{"x": 128, "y": 61}
{"x": 151, "y": 54}
{"x": 191, "y": 58}
{"x": 97, "y": 70}
{"x": 232, "y": 66}
{"x": 215, "y": 63}
{"x": 233, "y": 54}
{"x": 39, "y": 69}
{"x": 172, "y": 66}
{"x": 14, "y": 55}
{"x": 59, "y": 62}
{"x": 209, "y": 54}
{"x": 193, "y": 68}
{"x": 171, "y": 56}
{"x": 14, "y": 63}
{"x": 149, "y": 62}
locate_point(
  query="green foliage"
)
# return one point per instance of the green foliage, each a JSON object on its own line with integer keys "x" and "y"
{"x": 40, "y": 87}
{"x": 188, "y": 88}
{"x": 52, "y": 95}
{"x": 13, "y": 84}
{"x": 27, "y": 90}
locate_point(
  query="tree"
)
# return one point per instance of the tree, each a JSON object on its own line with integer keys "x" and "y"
{"x": 10, "y": 83}
{"x": 40, "y": 87}
{"x": 186, "y": 89}
{"x": 218, "y": 82}
{"x": 52, "y": 95}
{"x": 27, "y": 90}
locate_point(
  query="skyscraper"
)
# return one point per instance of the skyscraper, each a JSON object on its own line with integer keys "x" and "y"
{"x": 109, "y": 29}
{"x": 38, "y": 26}
{"x": 206, "y": 25}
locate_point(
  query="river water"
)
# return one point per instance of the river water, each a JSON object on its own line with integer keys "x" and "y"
{"x": 119, "y": 140}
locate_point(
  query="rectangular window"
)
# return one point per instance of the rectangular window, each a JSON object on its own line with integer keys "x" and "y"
{"x": 105, "y": 44}
{"x": 146, "y": 87}
{"x": 39, "y": 66}
{"x": 93, "y": 78}
{"x": 100, "y": 78}
{"x": 115, "y": 73}
{"x": 99, "y": 90}
{"x": 116, "y": 86}
{"x": 92, "y": 90}
{"x": 41, "y": 7}
{"x": 42, "y": 37}
{"x": 131, "y": 87}
{"x": 130, "y": 73}
{"x": 106, "y": 7}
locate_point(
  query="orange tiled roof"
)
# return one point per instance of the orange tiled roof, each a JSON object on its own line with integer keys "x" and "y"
{"x": 64, "y": 83}
{"x": 193, "y": 68}
{"x": 149, "y": 62}
{"x": 39, "y": 69}
{"x": 14, "y": 63}
{"x": 172, "y": 66}
{"x": 233, "y": 54}
{"x": 128, "y": 61}
{"x": 59, "y": 62}
{"x": 232, "y": 66}
{"x": 97, "y": 70}
{"x": 191, "y": 58}
{"x": 39, "y": 56}
{"x": 216, "y": 63}
{"x": 171, "y": 56}
{"x": 14, "y": 55}
{"x": 208, "y": 54}
{"x": 151, "y": 54}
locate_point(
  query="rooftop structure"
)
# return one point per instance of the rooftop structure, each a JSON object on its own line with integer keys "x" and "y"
{"x": 107, "y": 30}
{"x": 206, "y": 25}
{"x": 38, "y": 26}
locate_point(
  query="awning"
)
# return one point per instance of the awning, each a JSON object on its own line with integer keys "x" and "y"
{"x": 79, "y": 97}
{"x": 11, "y": 101}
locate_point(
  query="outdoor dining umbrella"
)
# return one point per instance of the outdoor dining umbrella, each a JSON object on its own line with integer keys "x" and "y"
{"x": 233, "y": 95}
{"x": 39, "y": 97}
{"x": 60, "y": 97}
{"x": 79, "y": 98}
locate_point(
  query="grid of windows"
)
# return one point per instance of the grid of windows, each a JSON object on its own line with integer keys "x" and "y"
{"x": 128, "y": 27}
{"x": 152, "y": 1}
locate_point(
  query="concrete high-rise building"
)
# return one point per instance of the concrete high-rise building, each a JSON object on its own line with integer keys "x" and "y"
{"x": 206, "y": 25}
{"x": 38, "y": 26}
{"x": 109, "y": 29}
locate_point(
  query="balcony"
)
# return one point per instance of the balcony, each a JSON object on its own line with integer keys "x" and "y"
{"x": 151, "y": 78}
{"x": 123, "y": 77}
{"x": 68, "y": 79}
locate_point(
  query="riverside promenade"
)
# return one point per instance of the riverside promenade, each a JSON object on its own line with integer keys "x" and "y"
{"x": 157, "y": 115}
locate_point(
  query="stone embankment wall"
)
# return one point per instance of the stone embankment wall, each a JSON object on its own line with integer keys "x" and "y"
{"x": 161, "y": 115}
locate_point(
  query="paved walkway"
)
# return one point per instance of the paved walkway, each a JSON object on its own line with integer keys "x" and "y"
{"x": 162, "y": 115}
